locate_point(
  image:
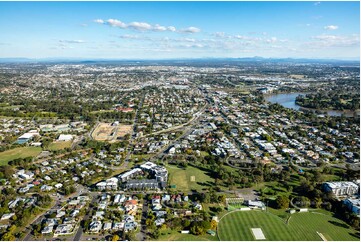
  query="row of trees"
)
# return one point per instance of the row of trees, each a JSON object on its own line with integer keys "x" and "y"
{"x": 330, "y": 100}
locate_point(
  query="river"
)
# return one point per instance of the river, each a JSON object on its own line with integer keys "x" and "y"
{"x": 288, "y": 100}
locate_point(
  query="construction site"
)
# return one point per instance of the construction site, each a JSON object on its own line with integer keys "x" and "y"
{"x": 110, "y": 131}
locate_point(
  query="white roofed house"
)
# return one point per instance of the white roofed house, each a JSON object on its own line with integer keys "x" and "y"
{"x": 160, "y": 172}
{"x": 101, "y": 185}
{"x": 129, "y": 174}
{"x": 24, "y": 174}
{"x": 46, "y": 188}
{"x": 112, "y": 183}
{"x": 64, "y": 229}
{"x": 148, "y": 165}
{"x": 95, "y": 226}
{"x": 60, "y": 213}
{"x": 107, "y": 226}
{"x": 65, "y": 137}
{"x": 118, "y": 198}
{"x": 159, "y": 221}
{"x": 118, "y": 225}
{"x": 47, "y": 230}
{"x": 7, "y": 216}
{"x": 172, "y": 150}
{"x": 27, "y": 136}
{"x": 74, "y": 213}
{"x": 342, "y": 188}
{"x": 59, "y": 185}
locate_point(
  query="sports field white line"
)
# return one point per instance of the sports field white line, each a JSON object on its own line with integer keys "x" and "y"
{"x": 322, "y": 236}
{"x": 258, "y": 234}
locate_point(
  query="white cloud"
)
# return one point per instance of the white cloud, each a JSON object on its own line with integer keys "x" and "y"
{"x": 189, "y": 40}
{"x": 171, "y": 28}
{"x": 99, "y": 21}
{"x": 191, "y": 30}
{"x": 335, "y": 41}
{"x": 240, "y": 37}
{"x": 317, "y": 3}
{"x": 271, "y": 40}
{"x": 128, "y": 36}
{"x": 192, "y": 45}
{"x": 158, "y": 27}
{"x": 72, "y": 41}
{"x": 141, "y": 26}
{"x": 331, "y": 27}
{"x": 220, "y": 34}
{"x": 116, "y": 23}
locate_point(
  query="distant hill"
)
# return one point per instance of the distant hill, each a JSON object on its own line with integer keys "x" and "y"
{"x": 177, "y": 61}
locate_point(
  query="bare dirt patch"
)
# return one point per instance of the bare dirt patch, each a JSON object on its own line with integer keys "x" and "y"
{"x": 109, "y": 132}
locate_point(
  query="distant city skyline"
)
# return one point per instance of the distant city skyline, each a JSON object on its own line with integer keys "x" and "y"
{"x": 171, "y": 30}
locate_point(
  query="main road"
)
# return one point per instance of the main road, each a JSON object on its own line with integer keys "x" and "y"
{"x": 79, "y": 233}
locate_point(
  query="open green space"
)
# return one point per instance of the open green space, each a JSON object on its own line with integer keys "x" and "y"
{"x": 16, "y": 153}
{"x": 300, "y": 226}
{"x": 143, "y": 156}
{"x": 189, "y": 178}
{"x": 60, "y": 145}
{"x": 171, "y": 235}
{"x": 102, "y": 111}
{"x": 10, "y": 107}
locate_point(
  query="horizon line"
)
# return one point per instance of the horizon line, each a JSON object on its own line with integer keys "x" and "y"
{"x": 180, "y": 58}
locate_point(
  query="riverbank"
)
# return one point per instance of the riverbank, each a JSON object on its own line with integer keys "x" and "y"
{"x": 287, "y": 100}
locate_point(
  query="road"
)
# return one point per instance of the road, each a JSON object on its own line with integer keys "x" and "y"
{"x": 39, "y": 218}
{"x": 142, "y": 235}
{"x": 79, "y": 233}
{"x": 196, "y": 116}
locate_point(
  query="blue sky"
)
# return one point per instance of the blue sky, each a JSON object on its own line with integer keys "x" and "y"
{"x": 158, "y": 30}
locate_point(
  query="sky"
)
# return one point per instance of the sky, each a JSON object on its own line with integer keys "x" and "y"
{"x": 168, "y": 30}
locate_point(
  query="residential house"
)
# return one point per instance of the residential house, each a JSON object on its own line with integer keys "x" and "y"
{"x": 343, "y": 188}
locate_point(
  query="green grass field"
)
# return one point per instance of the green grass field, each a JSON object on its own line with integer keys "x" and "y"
{"x": 20, "y": 152}
{"x": 171, "y": 235}
{"x": 301, "y": 226}
{"x": 182, "y": 178}
{"x": 60, "y": 145}
{"x": 146, "y": 156}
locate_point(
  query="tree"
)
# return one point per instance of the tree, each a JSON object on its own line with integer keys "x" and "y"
{"x": 282, "y": 202}
{"x": 213, "y": 224}
{"x": 115, "y": 237}
{"x": 186, "y": 223}
{"x": 302, "y": 201}
{"x": 328, "y": 206}
{"x": 197, "y": 230}
{"x": 46, "y": 142}
{"x": 7, "y": 171}
{"x": 317, "y": 202}
{"x": 156, "y": 234}
{"x": 222, "y": 198}
{"x": 8, "y": 237}
{"x": 205, "y": 197}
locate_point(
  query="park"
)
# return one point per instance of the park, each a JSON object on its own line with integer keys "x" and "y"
{"x": 238, "y": 225}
